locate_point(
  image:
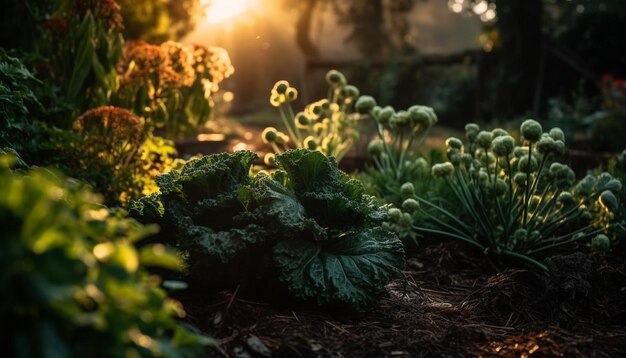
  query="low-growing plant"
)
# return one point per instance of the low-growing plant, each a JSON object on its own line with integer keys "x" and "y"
{"x": 516, "y": 199}
{"x": 398, "y": 172}
{"x": 73, "y": 282}
{"x": 308, "y": 226}
{"x": 328, "y": 125}
{"x": 115, "y": 154}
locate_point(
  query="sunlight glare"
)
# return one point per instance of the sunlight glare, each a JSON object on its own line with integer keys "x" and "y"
{"x": 221, "y": 11}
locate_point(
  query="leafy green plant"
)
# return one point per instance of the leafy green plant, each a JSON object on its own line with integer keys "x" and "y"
{"x": 73, "y": 282}
{"x": 517, "y": 201}
{"x": 82, "y": 44}
{"x": 16, "y": 95}
{"x": 309, "y": 226}
{"x": 328, "y": 125}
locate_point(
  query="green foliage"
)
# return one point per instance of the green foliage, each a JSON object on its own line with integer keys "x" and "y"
{"x": 16, "y": 95}
{"x": 515, "y": 200}
{"x": 73, "y": 283}
{"x": 329, "y": 125}
{"x": 309, "y": 222}
{"x": 83, "y": 44}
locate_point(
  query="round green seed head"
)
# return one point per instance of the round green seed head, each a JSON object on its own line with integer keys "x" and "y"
{"x": 546, "y": 145}
{"x": 335, "y": 78}
{"x": 609, "y": 200}
{"x": 365, "y": 104}
{"x": 531, "y": 130}
{"x": 498, "y": 132}
{"x": 406, "y": 220}
{"x": 471, "y": 131}
{"x": 557, "y": 134}
{"x": 503, "y": 145}
{"x": 394, "y": 214}
{"x": 484, "y": 139}
{"x": 423, "y": 116}
{"x": 375, "y": 147}
{"x": 442, "y": 169}
{"x": 501, "y": 187}
{"x": 520, "y": 234}
{"x": 454, "y": 142}
{"x": 600, "y": 243}
{"x": 613, "y": 185}
{"x": 407, "y": 189}
{"x": 566, "y": 199}
{"x": 269, "y": 135}
{"x": 385, "y": 115}
{"x": 310, "y": 143}
{"x": 351, "y": 91}
{"x": 281, "y": 87}
{"x": 524, "y": 165}
{"x": 410, "y": 205}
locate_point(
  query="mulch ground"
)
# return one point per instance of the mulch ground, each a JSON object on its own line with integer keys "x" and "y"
{"x": 447, "y": 304}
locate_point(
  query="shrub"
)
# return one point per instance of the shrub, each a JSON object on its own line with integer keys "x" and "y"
{"x": 73, "y": 283}
{"x": 309, "y": 223}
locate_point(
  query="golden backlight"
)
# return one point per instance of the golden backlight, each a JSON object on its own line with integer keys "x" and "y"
{"x": 222, "y": 11}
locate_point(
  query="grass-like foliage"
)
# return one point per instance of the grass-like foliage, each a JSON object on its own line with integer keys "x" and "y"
{"x": 515, "y": 199}
{"x": 308, "y": 226}
{"x": 73, "y": 282}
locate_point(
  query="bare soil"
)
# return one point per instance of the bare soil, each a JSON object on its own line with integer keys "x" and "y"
{"x": 447, "y": 304}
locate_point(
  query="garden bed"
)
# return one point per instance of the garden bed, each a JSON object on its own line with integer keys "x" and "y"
{"x": 446, "y": 304}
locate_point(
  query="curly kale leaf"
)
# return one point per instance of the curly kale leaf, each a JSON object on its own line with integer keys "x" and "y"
{"x": 329, "y": 196}
{"x": 350, "y": 268}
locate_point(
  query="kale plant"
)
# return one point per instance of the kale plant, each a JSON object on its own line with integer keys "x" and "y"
{"x": 73, "y": 282}
{"x": 308, "y": 226}
{"x": 515, "y": 199}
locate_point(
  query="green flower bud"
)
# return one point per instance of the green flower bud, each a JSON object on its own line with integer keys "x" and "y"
{"x": 375, "y": 147}
{"x": 609, "y": 200}
{"x": 442, "y": 170}
{"x": 292, "y": 94}
{"x": 310, "y": 143}
{"x": 407, "y": 189}
{"x": 524, "y": 166}
{"x": 422, "y": 115}
{"x": 484, "y": 139}
{"x": 421, "y": 164}
{"x": 471, "y": 131}
{"x": 269, "y": 135}
{"x": 534, "y": 235}
{"x": 560, "y": 146}
{"x": 335, "y": 78}
{"x": 498, "y": 132}
{"x": 454, "y": 156}
{"x": 405, "y": 220}
{"x": 394, "y": 214}
{"x": 385, "y": 114}
{"x": 453, "y": 142}
{"x": 520, "y": 179}
{"x": 546, "y": 145}
{"x": 585, "y": 186}
{"x": 376, "y": 111}
{"x": 557, "y": 134}
{"x": 402, "y": 119}
{"x": 269, "y": 159}
{"x": 531, "y": 130}
{"x": 503, "y": 145}
{"x": 410, "y": 205}
{"x": 302, "y": 120}
{"x": 613, "y": 185}
{"x": 566, "y": 199}
{"x": 501, "y": 187}
{"x": 520, "y": 235}
{"x": 520, "y": 151}
{"x": 600, "y": 243}
{"x": 281, "y": 87}
{"x": 365, "y": 104}
{"x": 467, "y": 159}
{"x": 351, "y": 92}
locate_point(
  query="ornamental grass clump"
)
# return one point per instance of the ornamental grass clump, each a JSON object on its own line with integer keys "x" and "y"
{"x": 516, "y": 199}
{"x": 328, "y": 125}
